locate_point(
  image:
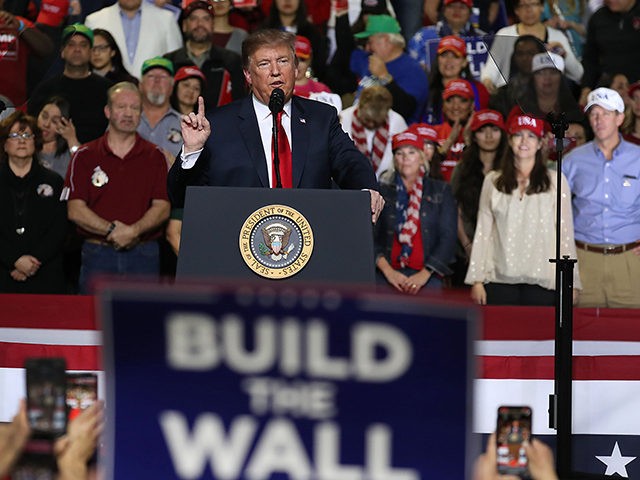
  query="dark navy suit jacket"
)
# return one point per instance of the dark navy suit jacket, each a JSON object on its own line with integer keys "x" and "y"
{"x": 234, "y": 156}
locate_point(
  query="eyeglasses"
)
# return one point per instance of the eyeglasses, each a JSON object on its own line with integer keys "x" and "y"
{"x": 100, "y": 48}
{"x": 23, "y": 135}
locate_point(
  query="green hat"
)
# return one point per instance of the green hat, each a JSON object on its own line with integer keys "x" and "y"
{"x": 77, "y": 28}
{"x": 158, "y": 62}
{"x": 379, "y": 24}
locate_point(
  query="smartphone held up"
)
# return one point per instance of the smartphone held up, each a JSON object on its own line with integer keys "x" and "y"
{"x": 54, "y": 397}
{"x": 513, "y": 428}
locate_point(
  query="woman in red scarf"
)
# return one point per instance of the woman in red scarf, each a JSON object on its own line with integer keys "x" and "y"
{"x": 415, "y": 236}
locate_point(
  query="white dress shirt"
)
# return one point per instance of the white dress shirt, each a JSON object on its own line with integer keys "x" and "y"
{"x": 265, "y": 123}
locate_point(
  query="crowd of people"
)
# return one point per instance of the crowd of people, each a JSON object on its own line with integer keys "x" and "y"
{"x": 455, "y": 148}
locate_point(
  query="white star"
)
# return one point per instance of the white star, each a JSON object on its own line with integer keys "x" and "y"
{"x": 616, "y": 463}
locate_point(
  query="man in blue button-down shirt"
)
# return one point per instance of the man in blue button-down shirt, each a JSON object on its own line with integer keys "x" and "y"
{"x": 604, "y": 177}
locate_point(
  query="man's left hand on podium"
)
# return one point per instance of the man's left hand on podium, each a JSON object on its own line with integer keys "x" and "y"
{"x": 377, "y": 203}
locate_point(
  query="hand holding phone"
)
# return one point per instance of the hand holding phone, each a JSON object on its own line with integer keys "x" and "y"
{"x": 512, "y": 429}
{"x": 82, "y": 392}
{"x": 46, "y": 396}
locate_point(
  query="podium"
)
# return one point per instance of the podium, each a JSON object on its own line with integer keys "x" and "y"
{"x": 255, "y": 233}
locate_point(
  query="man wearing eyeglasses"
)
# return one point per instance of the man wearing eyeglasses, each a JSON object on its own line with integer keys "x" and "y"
{"x": 85, "y": 91}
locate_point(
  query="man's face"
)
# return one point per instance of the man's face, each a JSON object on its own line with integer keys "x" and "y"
{"x": 124, "y": 111}
{"x": 271, "y": 67}
{"x": 604, "y": 123}
{"x": 619, "y": 5}
{"x": 77, "y": 51}
{"x": 129, "y": 5}
{"x": 156, "y": 86}
{"x": 371, "y": 118}
{"x": 198, "y": 27}
{"x": 379, "y": 45}
{"x": 457, "y": 14}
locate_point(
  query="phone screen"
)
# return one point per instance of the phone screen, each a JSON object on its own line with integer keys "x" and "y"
{"x": 513, "y": 428}
{"x": 46, "y": 396}
{"x": 82, "y": 392}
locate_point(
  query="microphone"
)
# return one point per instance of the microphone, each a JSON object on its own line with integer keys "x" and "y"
{"x": 276, "y": 104}
{"x": 276, "y": 101}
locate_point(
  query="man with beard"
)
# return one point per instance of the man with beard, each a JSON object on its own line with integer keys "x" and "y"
{"x": 86, "y": 92}
{"x": 221, "y": 67}
{"x": 160, "y": 123}
{"x": 117, "y": 194}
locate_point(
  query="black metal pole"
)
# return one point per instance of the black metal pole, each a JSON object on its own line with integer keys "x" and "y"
{"x": 560, "y": 405}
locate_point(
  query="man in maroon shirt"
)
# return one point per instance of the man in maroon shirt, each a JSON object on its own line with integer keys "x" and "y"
{"x": 117, "y": 194}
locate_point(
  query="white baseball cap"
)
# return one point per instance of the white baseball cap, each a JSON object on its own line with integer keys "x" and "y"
{"x": 606, "y": 98}
{"x": 540, "y": 61}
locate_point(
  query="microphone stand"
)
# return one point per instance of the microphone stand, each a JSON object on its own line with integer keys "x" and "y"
{"x": 560, "y": 402}
{"x": 276, "y": 153}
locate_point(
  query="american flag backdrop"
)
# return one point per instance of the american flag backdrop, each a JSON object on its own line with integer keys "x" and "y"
{"x": 515, "y": 367}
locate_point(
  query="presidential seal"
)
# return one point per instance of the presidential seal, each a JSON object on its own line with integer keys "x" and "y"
{"x": 276, "y": 241}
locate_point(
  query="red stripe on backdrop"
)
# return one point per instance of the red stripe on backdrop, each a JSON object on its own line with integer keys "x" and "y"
{"x": 13, "y": 355}
{"x": 612, "y": 367}
{"x": 517, "y": 323}
{"x": 47, "y": 311}
{"x": 622, "y": 324}
{"x": 531, "y": 323}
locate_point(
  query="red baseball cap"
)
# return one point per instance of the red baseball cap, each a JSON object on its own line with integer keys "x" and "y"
{"x": 303, "y": 47}
{"x": 518, "y": 122}
{"x": 454, "y": 44}
{"x": 486, "y": 117}
{"x": 634, "y": 86}
{"x": 190, "y": 71}
{"x": 196, "y": 5}
{"x": 468, "y": 3}
{"x": 407, "y": 139}
{"x": 459, "y": 87}
{"x": 424, "y": 131}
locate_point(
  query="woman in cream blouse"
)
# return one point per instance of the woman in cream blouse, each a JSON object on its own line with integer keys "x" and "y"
{"x": 516, "y": 229}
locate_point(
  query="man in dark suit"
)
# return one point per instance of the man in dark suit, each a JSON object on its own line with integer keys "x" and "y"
{"x": 233, "y": 146}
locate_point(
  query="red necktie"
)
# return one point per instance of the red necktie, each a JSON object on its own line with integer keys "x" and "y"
{"x": 284, "y": 154}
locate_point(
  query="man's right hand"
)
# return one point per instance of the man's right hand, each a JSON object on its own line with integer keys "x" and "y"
{"x": 195, "y": 129}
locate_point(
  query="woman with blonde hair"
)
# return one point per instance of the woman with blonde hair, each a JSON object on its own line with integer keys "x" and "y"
{"x": 415, "y": 235}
